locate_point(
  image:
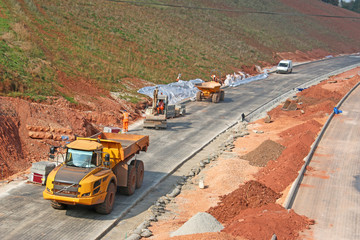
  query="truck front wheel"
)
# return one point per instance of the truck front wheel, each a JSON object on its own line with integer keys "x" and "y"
{"x": 198, "y": 96}
{"x": 57, "y": 205}
{"x": 107, "y": 206}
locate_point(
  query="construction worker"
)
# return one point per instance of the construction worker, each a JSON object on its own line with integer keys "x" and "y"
{"x": 214, "y": 78}
{"x": 125, "y": 121}
{"x": 178, "y": 78}
{"x": 160, "y": 108}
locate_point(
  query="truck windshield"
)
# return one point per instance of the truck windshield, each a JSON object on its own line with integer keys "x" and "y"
{"x": 283, "y": 64}
{"x": 78, "y": 158}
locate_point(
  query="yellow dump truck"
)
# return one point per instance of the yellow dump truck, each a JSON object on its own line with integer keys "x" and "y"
{"x": 210, "y": 90}
{"x": 93, "y": 170}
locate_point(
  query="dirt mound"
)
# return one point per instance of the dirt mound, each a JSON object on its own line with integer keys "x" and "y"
{"x": 250, "y": 195}
{"x": 268, "y": 150}
{"x": 262, "y": 222}
{"x": 249, "y": 69}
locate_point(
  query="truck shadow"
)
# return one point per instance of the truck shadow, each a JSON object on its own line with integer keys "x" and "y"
{"x": 129, "y": 206}
{"x": 176, "y": 126}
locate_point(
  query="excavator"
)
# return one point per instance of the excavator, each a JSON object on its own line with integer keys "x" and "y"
{"x": 156, "y": 116}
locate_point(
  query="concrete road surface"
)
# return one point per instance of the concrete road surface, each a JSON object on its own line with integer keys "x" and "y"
{"x": 25, "y": 215}
{"x": 330, "y": 190}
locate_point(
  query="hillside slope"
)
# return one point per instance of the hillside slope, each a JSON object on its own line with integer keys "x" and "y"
{"x": 111, "y": 44}
{"x": 77, "y": 64}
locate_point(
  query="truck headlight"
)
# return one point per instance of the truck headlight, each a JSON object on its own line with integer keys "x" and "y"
{"x": 86, "y": 194}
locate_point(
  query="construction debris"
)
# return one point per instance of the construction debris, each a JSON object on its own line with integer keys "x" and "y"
{"x": 289, "y": 105}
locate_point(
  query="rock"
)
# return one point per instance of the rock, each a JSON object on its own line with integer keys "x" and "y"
{"x": 146, "y": 233}
{"x": 181, "y": 182}
{"x": 202, "y": 164}
{"x": 267, "y": 119}
{"x": 166, "y": 199}
{"x": 144, "y": 224}
{"x": 302, "y": 111}
{"x": 258, "y": 131}
{"x": 201, "y": 184}
{"x": 137, "y": 231}
{"x": 153, "y": 218}
{"x": 196, "y": 170}
{"x": 174, "y": 193}
{"x": 243, "y": 134}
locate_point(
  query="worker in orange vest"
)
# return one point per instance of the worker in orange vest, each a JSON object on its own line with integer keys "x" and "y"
{"x": 161, "y": 106}
{"x": 125, "y": 121}
{"x": 213, "y": 78}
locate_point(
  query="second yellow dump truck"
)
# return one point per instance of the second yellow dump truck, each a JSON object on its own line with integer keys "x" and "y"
{"x": 93, "y": 170}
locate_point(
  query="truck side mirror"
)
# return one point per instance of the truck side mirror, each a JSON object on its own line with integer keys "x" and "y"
{"x": 107, "y": 160}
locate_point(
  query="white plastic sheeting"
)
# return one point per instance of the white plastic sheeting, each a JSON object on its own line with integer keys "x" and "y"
{"x": 233, "y": 80}
{"x": 176, "y": 91}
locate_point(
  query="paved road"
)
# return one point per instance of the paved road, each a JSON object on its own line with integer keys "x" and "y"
{"x": 330, "y": 191}
{"x": 25, "y": 215}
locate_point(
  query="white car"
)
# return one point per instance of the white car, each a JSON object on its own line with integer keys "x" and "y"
{"x": 284, "y": 66}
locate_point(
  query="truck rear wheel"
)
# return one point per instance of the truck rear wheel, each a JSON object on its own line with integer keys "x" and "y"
{"x": 131, "y": 181}
{"x": 57, "y": 205}
{"x": 107, "y": 206}
{"x": 215, "y": 97}
{"x": 139, "y": 166}
{"x": 222, "y": 95}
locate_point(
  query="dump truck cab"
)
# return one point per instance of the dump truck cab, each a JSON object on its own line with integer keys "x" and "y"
{"x": 93, "y": 170}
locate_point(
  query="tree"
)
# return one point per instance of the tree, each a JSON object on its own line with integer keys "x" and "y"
{"x": 333, "y": 2}
{"x": 353, "y": 5}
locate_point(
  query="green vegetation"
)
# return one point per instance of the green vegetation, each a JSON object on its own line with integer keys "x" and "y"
{"x": 352, "y": 5}
{"x": 107, "y": 42}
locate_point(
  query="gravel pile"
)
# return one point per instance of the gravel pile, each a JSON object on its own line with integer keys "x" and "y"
{"x": 268, "y": 150}
{"x": 200, "y": 223}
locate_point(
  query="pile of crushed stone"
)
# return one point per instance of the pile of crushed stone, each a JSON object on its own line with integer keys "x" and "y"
{"x": 268, "y": 150}
{"x": 201, "y": 222}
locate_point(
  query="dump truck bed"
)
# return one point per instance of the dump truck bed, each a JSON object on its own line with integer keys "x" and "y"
{"x": 121, "y": 147}
{"x": 209, "y": 86}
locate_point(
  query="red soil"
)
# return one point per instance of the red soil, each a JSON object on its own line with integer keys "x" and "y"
{"x": 262, "y": 222}
{"x": 250, "y": 195}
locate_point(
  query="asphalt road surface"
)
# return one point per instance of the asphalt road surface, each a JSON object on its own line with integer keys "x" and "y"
{"x": 330, "y": 190}
{"x": 25, "y": 215}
